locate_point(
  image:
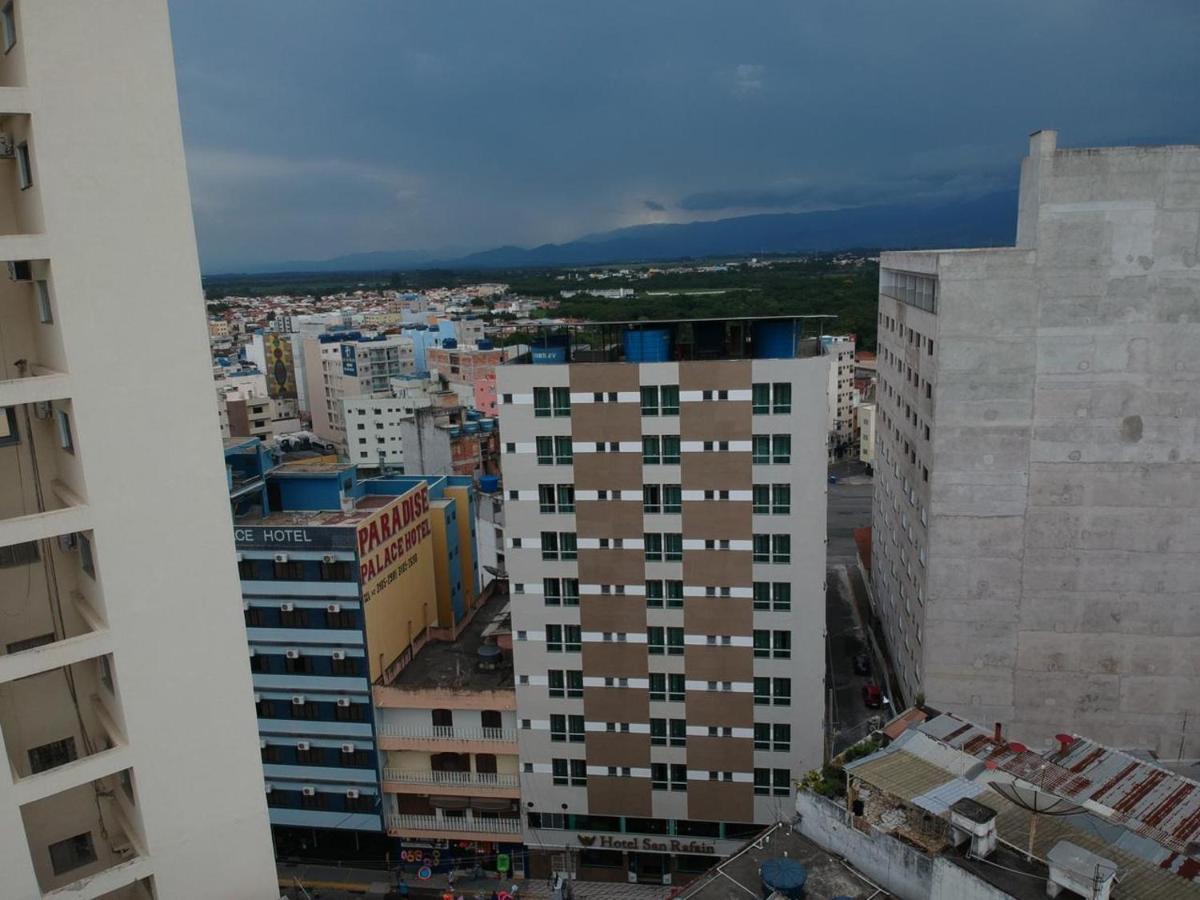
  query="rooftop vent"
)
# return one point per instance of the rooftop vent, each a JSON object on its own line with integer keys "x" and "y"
{"x": 973, "y": 821}
{"x": 1075, "y": 869}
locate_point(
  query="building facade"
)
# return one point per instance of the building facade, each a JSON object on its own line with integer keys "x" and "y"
{"x": 665, "y": 526}
{"x": 1033, "y": 556}
{"x": 116, "y": 567}
{"x": 339, "y": 365}
{"x": 841, "y": 398}
{"x": 474, "y": 366}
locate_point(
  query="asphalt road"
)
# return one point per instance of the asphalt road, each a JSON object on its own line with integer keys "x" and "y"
{"x": 848, "y": 507}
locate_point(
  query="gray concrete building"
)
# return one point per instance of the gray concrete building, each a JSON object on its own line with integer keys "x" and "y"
{"x": 665, "y": 544}
{"x": 1036, "y": 516}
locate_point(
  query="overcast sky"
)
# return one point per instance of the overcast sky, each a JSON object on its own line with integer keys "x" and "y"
{"x": 315, "y": 129}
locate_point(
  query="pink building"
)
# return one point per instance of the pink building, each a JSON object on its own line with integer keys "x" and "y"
{"x": 469, "y": 365}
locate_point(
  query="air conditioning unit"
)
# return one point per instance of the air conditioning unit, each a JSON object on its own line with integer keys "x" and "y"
{"x": 352, "y": 794}
{"x": 347, "y": 748}
{"x": 338, "y": 654}
{"x": 292, "y": 654}
{"x": 333, "y": 608}
{"x": 297, "y": 700}
{"x": 281, "y": 557}
{"x": 287, "y": 607}
{"x": 308, "y": 791}
{"x": 20, "y": 270}
{"x": 328, "y": 558}
{"x": 343, "y": 701}
{"x": 302, "y": 745}
{"x": 67, "y": 542}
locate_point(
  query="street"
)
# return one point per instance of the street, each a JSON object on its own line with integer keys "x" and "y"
{"x": 849, "y": 507}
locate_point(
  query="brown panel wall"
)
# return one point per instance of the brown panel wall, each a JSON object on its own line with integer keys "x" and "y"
{"x": 715, "y": 420}
{"x": 612, "y": 518}
{"x": 719, "y": 754}
{"x": 612, "y": 748}
{"x": 615, "y": 660}
{"x": 718, "y": 708}
{"x": 609, "y": 422}
{"x": 718, "y": 615}
{"x": 720, "y": 801}
{"x": 613, "y": 566}
{"x": 608, "y": 796}
{"x": 592, "y": 377}
{"x": 719, "y": 568}
{"x": 725, "y": 374}
{"x": 719, "y": 663}
{"x": 717, "y": 519}
{"x": 612, "y": 471}
{"x": 713, "y": 471}
{"x": 605, "y": 704}
{"x": 614, "y": 613}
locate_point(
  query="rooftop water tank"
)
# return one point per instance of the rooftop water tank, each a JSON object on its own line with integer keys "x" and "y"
{"x": 487, "y": 425}
{"x": 647, "y": 345}
{"x": 485, "y": 344}
{"x": 471, "y": 428}
{"x": 489, "y": 484}
{"x": 775, "y": 339}
{"x": 784, "y": 875}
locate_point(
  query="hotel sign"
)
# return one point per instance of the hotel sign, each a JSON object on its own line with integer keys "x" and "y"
{"x": 257, "y": 537}
{"x": 652, "y": 844}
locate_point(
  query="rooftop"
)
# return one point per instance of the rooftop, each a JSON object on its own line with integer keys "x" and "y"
{"x": 738, "y": 877}
{"x": 453, "y": 665}
{"x": 364, "y": 507}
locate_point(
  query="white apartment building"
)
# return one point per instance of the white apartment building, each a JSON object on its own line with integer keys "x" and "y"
{"x": 339, "y": 369}
{"x": 1036, "y": 502}
{"x": 866, "y": 433}
{"x": 126, "y": 723}
{"x": 841, "y": 397}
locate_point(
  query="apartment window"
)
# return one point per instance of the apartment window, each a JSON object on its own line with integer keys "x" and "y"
{"x": 781, "y": 548}
{"x": 670, "y": 449}
{"x": 541, "y": 402}
{"x": 678, "y": 732}
{"x": 781, "y": 737}
{"x": 676, "y": 688}
{"x": 762, "y": 498}
{"x": 658, "y": 772}
{"x": 762, "y": 595}
{"x": 658, "y": 732}
{"x": 675, "y": 641}
{"x": 265, "y": 709}
{"x": 781, "y": 644}
{"x": 762, "y": 782}
{"x": 545, "y": 450}
{"x": 653, "y": 547}
{"x": 781, "y": 596}
{"x": 578, "y": 771}
{"x": 651, "y": 498}
{"x": 781, "y": 782}
{"x": 347, "y": 665}
{"x": 19, "y": 555}
{"x": 678, "y": 776}
{"x": 72, "y": 853}
{"x": 24, "y": 169}
{"x": 574, "y": 683}
{"x": 562, "y": 401}
{"x": 651, "y": 450}
{"x": 762, "y": 644}
{"x": 672, "y": 498}
{"x": 339, "y": 618}
{"x": 654, "y": 594}
{"x": 65, "y": 439}
{"x": 354, "y": 712}
{"x": 52, "y": 755}
{"x": 781, "y": 499}
{"x": 558, "y": 728}
{"x": 760, "y": 398}
{"x": 762, "y": 548}
{"x": 293, "y": 618}
{"x": 760, "y": 448}
{"x": 781, "y": 448}
{"x": 554, "y": 639}
{"x": 674, "y": 594}
{"x": 45, "y": 312}
{"x": 297, "y": 665}
{"x": 773, "y": 691}
{"x": 546, "y": 502}
{"x": 650, "y": 401}
{"x": 781, "y": 397}
{"x": 672, "y": 547}
{"x": 669, "y": 399}
{"x": 658, "y": 686}
{"x": 656, "y": 642}
{"x": 566, "y": 498}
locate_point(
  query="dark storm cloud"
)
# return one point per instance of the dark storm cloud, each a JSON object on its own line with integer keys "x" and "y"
{"x": 380, "y": 125}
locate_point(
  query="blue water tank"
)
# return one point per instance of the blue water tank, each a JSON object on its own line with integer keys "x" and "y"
{"x": 488, "y": 425}
{"x": 549, "y": 355}
{"x": 648, "y": 345}
{"x": 449, "y": 343}
{"x": 471, "y": 428}
{"x": 775, "y": 339}
{"x": 485, "y": 344}
{"x": 489, "y": 484}
{"x": 784, "y": 875}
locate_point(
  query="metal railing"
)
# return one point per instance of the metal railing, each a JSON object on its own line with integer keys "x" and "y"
{"x": 453, "y": 779}
{"x": 414, "y": 822}
{"x": 448, "y": 733}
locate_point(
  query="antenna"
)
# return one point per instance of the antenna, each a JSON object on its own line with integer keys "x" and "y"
{"x": 1036, "y": 801}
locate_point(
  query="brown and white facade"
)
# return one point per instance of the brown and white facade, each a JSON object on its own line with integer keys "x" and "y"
{"x": 665, "y": 543}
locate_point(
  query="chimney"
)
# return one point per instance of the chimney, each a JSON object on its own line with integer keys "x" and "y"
{"x": 998, "y": 734}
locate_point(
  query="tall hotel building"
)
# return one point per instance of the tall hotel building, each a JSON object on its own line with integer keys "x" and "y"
{"x": 665, "y": 549}
{"x": 1036, "y": 493}
{"x": 126, "y": 725}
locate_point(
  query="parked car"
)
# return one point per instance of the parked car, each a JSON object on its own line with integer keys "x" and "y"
{"x": 872, "y": 695}
{"x": 862, "y": 664}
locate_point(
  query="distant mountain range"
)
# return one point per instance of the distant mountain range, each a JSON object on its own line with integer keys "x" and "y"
{"x": 985, "y": 221}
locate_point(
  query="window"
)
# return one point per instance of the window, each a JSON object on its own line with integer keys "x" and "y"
{"x": 305, "y": 710}
{"x": 574, "y": 683}
{"x": 546, "y": 498}
{"x": 288, "y": 571}
{"x": 678, "y": 777}
{"x": 669, "y": 398}
{"x": 656, "y": 640}
{"x": 578, "y": 772}
{"x": 672, "y": 498}
{"x": 554, "y": 639}
{"x": 651, "y": 450}
{"x": 762, "y": 595}
{"x": 781, "y": 499}
{"x": 563, "y": 452}
{"x": 762, "y": 691}
{"x": 781, "y": 782}
{"x": 545, "y": 450}
{"x": 658, "y": 771}
{"x": 762, "y": 644}
{"x": 675, "y": 641}
{"x": 265, "y": 709}
{"x": 52, "y": 755}
{"x": 558, "y": 727}
{"x": 572, "y": 639}
{"x": 781, "y": 737}
{"x": 337, "y": 571}
{"x": 24, "y": 169}
{"x": 10, "y": 26}
{"x": 658, "y": 732}
{"x": 354, "y": 712}
{"x": 676, "y": 688}
{"x": 781, "y": 448}
{"x": 339, "y": 618}
{"x": 566, "y": 498}
{"x": 760, "y": 399}
{"x": 19, "y": 555}
{"x": 760, "y": 448}
{"x": 762, "y": 498}
{"x": 781, "y": 397}
{"x": 781, "y": 644}
{"x": 651, "y": 498}
{"x": 650, "y": 401}
{"x": 762, "y": 548}
{"x": 65, "y": 439}
{"x": 781, "y": 691}
{"x": 541, "y": 402}
{"x": 347, "y": 665}
{"x": 678, "y": 732}
{"x": 562, "y": 401}
{"x": 293, "y": 618}
{"x": 762, "y": 736}
{"x": 781, "y": 548}
{"x": 297, "y": 665}
{"x": 672, "y": 547}
{"x": 45, "y": 312}
{"x": 674, "y": 594}
{"x": 781, "y": 596}
{"x": 762, "y": 781}
{"x": 72, "y": 853}
{"x": 670, "y": 449}
{"x": 309, "y": 756}
{"x": 653, "y": 547}
{"x": 654, "y": 594}
{"x": 555, "y": 683}
{"x": 40, "y": 640}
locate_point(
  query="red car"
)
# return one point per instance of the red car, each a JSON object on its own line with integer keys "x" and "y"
{"x": 872, "y": 695}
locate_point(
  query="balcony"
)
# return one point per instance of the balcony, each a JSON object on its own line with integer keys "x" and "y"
{"x": 399, "y": 781}
{"x": 453, "y": 827}
{"x": 446, "y": 737}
